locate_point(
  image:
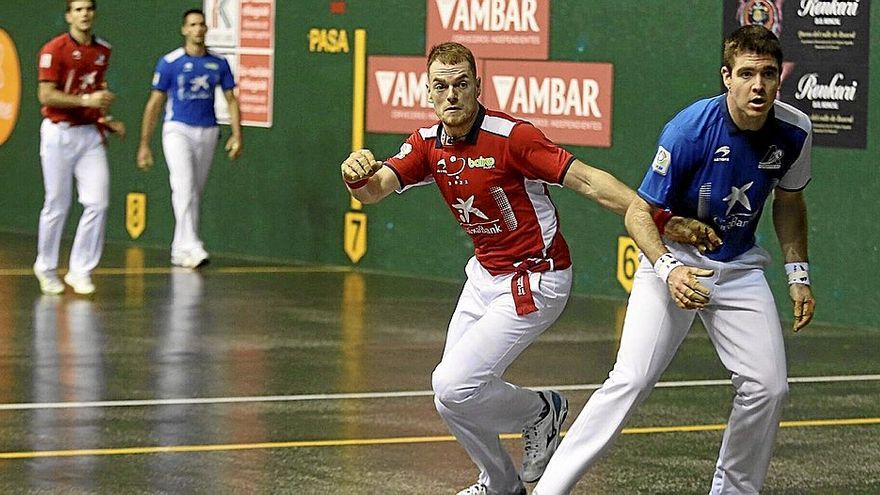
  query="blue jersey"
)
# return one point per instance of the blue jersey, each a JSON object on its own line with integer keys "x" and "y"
{"x": 707, "y": 168}
{"x": 190, "y": 84}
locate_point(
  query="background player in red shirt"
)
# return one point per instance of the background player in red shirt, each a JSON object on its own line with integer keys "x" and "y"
{"x": 493, "y": 172}
{"x": 74, "y": 102}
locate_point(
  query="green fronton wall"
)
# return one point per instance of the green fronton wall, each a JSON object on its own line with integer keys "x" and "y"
{"x": 283, "y": 199}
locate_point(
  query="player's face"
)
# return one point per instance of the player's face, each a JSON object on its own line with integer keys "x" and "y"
{"x": 453, "y": 89}
{"x": 81, "y": 15}
{"x": 194, "y": 29}
{"x": 752, "y": 83}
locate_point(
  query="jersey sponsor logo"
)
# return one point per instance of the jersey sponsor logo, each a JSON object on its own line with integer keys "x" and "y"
{"x": 88, "y": 80}
{"x": 721, "y": 154}
{"x": 483, "y": 163}
{"x": 772, "y": 160}
{"x": 76, "y": 55}
{"x": 738, "y": 195}
{"x": 453, "y": 171}
{"x": 661, "y": 161}
{"x": 101, "y": 60}
{"x": 199, "y": 83}
{"x": 45, "y": 60}
{"x": 188, "y": 67}
{"x": 466, "y": 208}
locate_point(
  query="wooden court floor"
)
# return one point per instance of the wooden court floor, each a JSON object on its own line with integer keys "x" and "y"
{"x": 250, "y": 377}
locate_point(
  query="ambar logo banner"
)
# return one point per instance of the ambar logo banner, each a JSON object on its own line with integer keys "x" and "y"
{"x": 397, "y": 95}
{"x": 571, "y": 102}
{"x": 492, "y": 28}
{"x": 10, "y": 86}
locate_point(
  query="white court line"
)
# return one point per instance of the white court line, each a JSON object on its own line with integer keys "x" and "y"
{"x": 379, "y": 395}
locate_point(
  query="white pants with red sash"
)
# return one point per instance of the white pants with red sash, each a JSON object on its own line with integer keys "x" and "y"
{"x": 67, "y": 153}
{"x": 485, "y": 336}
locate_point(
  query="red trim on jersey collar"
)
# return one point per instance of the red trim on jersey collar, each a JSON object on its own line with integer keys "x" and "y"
{"x": 472, "y": 134}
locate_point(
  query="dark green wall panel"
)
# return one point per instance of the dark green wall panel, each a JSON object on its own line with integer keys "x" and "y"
{"x": 283, "y": 198}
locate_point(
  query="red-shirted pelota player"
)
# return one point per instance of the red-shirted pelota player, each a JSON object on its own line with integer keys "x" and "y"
{"x": 74, "y": 99}
{"x": 493, "y": 171}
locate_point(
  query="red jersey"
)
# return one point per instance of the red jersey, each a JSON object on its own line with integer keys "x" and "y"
{"x": 75, "y": 69}
{"x": 495, "y": 183}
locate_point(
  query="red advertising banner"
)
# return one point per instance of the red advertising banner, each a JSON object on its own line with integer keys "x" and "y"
{"x": 397, "y": 95}
{"x": 256, "y": 27}
{"x": 255, "y": 89}
{"x": 492, "y": 28}
{"x": 569, "y": 101}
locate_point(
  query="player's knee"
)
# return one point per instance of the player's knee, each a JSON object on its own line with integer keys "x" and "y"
{"x": 637, "y": 383}
{"x": 770, "y": 391}
{"x": 450, "y": 388}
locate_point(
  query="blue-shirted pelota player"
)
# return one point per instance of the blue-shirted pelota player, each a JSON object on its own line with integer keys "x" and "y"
{"x": 188, "y": 78}
{"x": 717, "y": 161}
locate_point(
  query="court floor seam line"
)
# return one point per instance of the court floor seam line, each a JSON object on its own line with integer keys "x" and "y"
{"x": 377, "y": 395}
{"x": 394, "y": 440}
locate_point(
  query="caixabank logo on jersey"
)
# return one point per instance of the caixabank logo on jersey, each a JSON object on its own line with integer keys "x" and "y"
{"x": 571, "y": 102}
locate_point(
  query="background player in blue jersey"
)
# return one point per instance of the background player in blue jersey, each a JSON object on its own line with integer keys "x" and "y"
{"x": 187, "y": 77}
{"x": 717, "y": 161}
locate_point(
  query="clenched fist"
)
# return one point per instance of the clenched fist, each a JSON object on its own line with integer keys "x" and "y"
{"x": 359, "y": 165}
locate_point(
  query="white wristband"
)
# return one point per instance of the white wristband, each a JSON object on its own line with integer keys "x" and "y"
{"x": 798, "y": 273}
{"x": 665, "y": 264}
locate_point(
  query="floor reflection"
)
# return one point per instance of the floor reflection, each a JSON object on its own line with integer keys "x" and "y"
{"x": 68, "y": 366}
{"x": 179, "y": 361}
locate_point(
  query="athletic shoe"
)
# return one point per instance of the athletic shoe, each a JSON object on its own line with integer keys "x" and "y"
{"x": 50, "y": 284}
{"x": 80, "y": 282}
{"x": 541, "y": 438}
{"x": 194, "y": 258}
{"x": 480, "y": 489}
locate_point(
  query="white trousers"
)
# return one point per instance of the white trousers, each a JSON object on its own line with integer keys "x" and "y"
{"x": 67, "y": 153}
{"x": 189, "y": 151}
{"x": 743, "y": 325}
{"x": 485, "y": 336}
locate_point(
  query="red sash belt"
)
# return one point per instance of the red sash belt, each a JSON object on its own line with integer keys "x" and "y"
{"x": 520, "y": 287}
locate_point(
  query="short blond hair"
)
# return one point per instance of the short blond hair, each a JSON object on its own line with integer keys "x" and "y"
{"x": 452, "y": 53}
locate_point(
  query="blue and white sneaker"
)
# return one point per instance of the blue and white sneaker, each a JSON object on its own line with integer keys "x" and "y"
{"x": 541, "y": 438}
{"x": 480, "y": 489}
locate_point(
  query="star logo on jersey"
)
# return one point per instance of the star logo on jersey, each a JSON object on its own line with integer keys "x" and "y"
{"x": 466, "y": 207}
{"x": 772, "y": 160}
{"x": 738, "y": 195}
{"x": 199, "y": 82}
{"x": 721, "y": 154}
{"x": 88, "y": 80}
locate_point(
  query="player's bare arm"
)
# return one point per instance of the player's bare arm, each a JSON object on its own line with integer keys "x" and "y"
{"x": 368, "y": 180}
{"x": 234, "y": 144}
{"x": 148, "y": 126}
{"x": 681, "y": 280}
{"x": 790, "y": 222}
{"x": 50, "y": 96}
{"x": 600, "y": 186}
